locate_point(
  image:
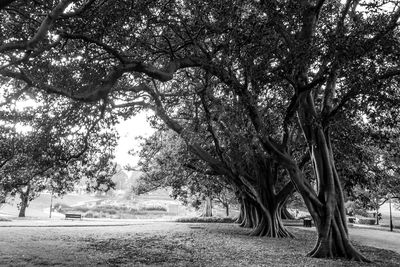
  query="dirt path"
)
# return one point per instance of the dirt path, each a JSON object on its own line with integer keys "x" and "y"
{"x": 163, "y": 244}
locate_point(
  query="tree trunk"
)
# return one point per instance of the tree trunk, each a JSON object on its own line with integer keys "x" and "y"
{"x": 330, "y": 222}
{"x": 24, "y": 203}
{"x": 226, "y": 209}
{"x": 207, "y": 208}
{"x": 285, "y": 214}
{"x": 327, "y": 205}
{"x": 377, "y": 215}
{"x": 247, "y": 221}
{"x": 240, "y": 218}
{"x": 270, "y": 223}
{"x": 269, "y": 204}
{"x": 269, "y": 218}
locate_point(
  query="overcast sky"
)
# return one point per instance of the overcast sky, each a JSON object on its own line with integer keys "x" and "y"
{"x": 129, "y": 130}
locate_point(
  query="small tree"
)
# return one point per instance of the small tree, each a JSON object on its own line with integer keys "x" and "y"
{"x": 167, "y": 163}
{"x": 50, "y": 149}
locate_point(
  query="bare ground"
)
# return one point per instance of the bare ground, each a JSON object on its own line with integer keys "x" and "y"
{"x": 165, "y": 244}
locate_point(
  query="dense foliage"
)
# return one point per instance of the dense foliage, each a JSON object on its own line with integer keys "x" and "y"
{"x": 255, "y": 89}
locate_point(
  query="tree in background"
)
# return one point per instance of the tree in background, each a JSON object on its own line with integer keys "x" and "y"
{"x": 49, "y": 150}
{"x": 120, "y": 179}
{"x": 366, "y": 150}
{"x": 166, "y": 163}
{"x": 227, "y": 199}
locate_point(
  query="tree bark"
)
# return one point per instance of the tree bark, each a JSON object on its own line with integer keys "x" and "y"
{"x": 268, "y": 204}
{"x": 207, "y": 208}
{"x": 240, "y": 218}
{"x": 285, "y": 214}
{"x": 327, "y": 207}
{"x": 270, "y": 224}
{"x": 24, "y": 203}
{"x": 226, "y": 209}
{"x": 377, "y": 214}
{"x": 247, "y": 221}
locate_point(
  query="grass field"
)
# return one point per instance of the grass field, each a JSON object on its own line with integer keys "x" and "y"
{"x": 166, "y": 244}
{"x": 153, "y": 205}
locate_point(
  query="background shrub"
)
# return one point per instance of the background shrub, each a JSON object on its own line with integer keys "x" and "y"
{"x": 88, "y": 215}
{"x": 206, "y": 220}
{"x": 369, "y": 221}
{"x": 150, "y": 208}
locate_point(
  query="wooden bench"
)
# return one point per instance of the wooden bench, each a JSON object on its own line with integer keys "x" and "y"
{"x": 73, "y": 216}
{"x": 307, "y": 222}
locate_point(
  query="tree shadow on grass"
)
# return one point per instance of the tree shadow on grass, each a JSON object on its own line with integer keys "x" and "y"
{"x": 380, "y": 257}
{"x": 222, "y": 245}
{"x": 147, "y": 250}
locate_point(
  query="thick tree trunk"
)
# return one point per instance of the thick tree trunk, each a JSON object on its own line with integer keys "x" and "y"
{"x": 247, "y": 208}
{"x": 270, "y": 224}
{"x": 333, "y": 238}
{"x": 269, "y": 204}
{"x": 285, "y": 214}
{"x": 330, "y": 222}
{"x": 240, "y": 218}
{"x": 327, "y": 205}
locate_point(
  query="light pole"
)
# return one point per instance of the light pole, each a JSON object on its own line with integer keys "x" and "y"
{"x": 390, "y": 213}
{"x": 51, "y": 198}
{"x": 51, "y": 202}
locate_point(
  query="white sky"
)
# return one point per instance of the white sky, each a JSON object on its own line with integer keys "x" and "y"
{"x": 128, "y": 131}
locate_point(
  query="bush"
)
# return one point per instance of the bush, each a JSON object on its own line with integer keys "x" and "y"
{"x": 82, "y": 209}
{"x": 361, "y": 212}
{"x": 131, "y": 210}
{"x": 114, "y": 211}
{"x": 106, "y": 209}
{"x": 369, "y": 221}
{"x": 60, "y": 207}
{"x": 206, "y": 220}
{"x": 88, "y": 215}
{"x": 150, "y": 208}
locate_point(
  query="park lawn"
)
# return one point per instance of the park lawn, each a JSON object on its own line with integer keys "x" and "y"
{"x": 39, "y": 207}
{"x": 166, "y": 244}
{"x": 227, "y": 245}
{"x": 385, "y": 222}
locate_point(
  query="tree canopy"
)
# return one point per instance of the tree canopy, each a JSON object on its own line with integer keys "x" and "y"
{"x": 50, "y": 146}
{"x": 255, "y": 89}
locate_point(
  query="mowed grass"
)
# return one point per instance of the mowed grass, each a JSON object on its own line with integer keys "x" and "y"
{"x": 385, "y": 211}
{"x": 167, "y": 244}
